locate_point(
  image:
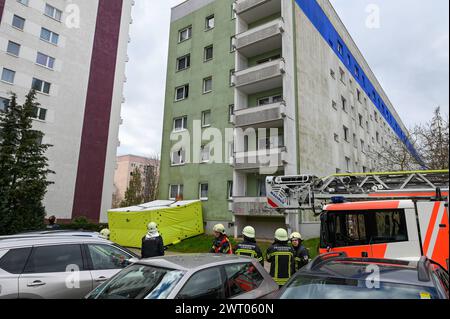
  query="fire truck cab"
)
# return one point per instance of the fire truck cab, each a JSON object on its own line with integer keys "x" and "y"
{"x": 399, "y": 215}
{"x": 394, "y": 229}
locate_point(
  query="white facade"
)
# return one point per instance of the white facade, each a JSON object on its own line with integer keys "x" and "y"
{"x": 69, "y": 78}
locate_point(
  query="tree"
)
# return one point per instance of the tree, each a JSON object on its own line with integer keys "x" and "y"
{"x": 151, "y": 185}
{"x": 134, "y": 194}
{"x": 433, "y": 141}
{"x": 23, "y": 168}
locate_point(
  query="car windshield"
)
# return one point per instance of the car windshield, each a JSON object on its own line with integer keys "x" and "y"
{"x": 139, "y": 282}
{"x": 309, "y": 287}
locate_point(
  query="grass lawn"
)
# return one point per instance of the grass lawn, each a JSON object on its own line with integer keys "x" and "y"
{"x": 203, "y": 243}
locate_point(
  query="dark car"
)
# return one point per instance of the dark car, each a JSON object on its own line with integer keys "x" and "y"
{"x": 336, "y": 276}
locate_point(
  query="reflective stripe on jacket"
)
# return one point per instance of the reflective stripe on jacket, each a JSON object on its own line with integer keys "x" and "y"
{"x": 282, "y": 262}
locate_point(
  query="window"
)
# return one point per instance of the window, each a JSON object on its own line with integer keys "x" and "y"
{"x": 175, "y": 191}
{"x": 107, "y": 257}
{"x": 209, "y": 22}
{"x": 49, "y": 36}
{"x": 185, "y": 34}
{"x": 14, "y": 260}
{"x": 233, "y": 12}
{"x": 230, "y": 190}
{"x": 13, "y": 48}
{"x": 45, "y": 60}
{"x": 24, "y": 2}
{"x": 344, "y": 103}
{"x": 184, "y": 62}
{"x": 230, "y": 113}
{"x": 232, "y": 77}
{"x": 346, "y": 133}
{"x": 358, "y": 95}
{"x": 270, "y": 100}
{"x": 205, "y": 153}
{"x": 340, "y": 48}
{"x": 206, "y": 118}
{"x": 39, "y": 113}
{"x": 52, "y": 12}
{"x": 355, "y": 141}
{"x": 334, "y": 105}
{"x": 363, "y": 146}
{"x": 203, "y": 191}
{"x": 53, "y": 259}
{"x": 356, "y": 72}
{"x": 378, "y": 137}
{"x": 361, "y": 120}
{"x": 3, "y": 104}
{"x": 348, "y": 164}
{"x": 18, "y": 22}
{"x": 182, "y": 92}
{"x": 242, "y": 278}
{"x": 179, "y": 157}
{"x": 180, "y": 124}
{"x": 41, "y": 86}
{"x": 207, "y": 85}
{"x": 342, "y": 75}
{"x": 336, "y": 137}
{"x": 205, "y": 284}
{"x": 208, "y": 53}
{"x": 269, "y": 59}
{"x": 8, "y": 75}
{"x": 332, "y": 74}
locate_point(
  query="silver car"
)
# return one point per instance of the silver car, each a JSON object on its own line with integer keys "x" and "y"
{"x": 57, "y": 267}
{"x": 193, "y": 276}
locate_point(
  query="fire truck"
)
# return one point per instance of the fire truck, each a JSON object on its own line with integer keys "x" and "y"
{"x": 395, "y": 215}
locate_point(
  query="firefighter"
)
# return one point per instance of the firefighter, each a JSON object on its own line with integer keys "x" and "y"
{"x": 152, "y": 243}
{"x": 281, "y": 258}
{"x": 249, "y": 247}
{"x": 301, "y": 253}
{"x": 221, "y": 243}
{"x": 105, "y": 232}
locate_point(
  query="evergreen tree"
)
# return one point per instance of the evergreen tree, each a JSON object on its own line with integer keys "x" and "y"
{"x": 24, "y": 169}
{"x": 134, "y": 194}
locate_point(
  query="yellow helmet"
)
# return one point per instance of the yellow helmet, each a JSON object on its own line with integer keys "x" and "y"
{"x": 281, "y": 235}
{"x": 152, "y": 227}
{"x": 249, "y": 232}
{"x": 219, "y": 228}
{"x": 296, "y": 235}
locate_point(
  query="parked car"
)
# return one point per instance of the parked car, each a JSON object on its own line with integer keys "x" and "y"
{"x": 46, "y": 233}
{"x": 335, "y": 276}
{"x": 193, "y": 276}
{"x": 57, "y": 267}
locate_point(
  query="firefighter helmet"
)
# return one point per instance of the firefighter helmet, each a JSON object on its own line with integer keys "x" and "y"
{"x": 249, "y": 232}
{"x": 281, "y": 235}
{"x": 296, "y": 235}
{"x": 105, "y": 232}
{"x": 152, "y": 227}
{"x": 219, "y": 228}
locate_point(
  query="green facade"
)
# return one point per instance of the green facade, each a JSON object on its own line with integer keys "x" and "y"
{"x": 218, "y": 101}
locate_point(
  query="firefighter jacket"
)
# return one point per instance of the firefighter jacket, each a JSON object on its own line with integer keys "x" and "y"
{"x": 222, "y": 245}
{"x": 152, "y": 247}
{"x": 301, "y": 257}
{"x": 282, "y": 262}
{"x": 249, "y": 248}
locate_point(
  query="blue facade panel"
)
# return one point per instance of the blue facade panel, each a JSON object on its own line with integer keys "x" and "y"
{"x": 324, "y": 26}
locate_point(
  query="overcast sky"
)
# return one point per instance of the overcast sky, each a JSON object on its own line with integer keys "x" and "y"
{"x": 409, "y": 54}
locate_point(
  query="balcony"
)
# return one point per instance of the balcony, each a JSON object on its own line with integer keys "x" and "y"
{"x": 262, "y": 39}
{"x": 254, "y": 10}
{"x": 270, "y": 115}
{"x": 266, "y": 161}
{"x": 253, "y": 206}
{"x": 259, "y": 78}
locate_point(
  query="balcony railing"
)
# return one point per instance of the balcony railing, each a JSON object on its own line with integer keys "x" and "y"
{"x": 253, "y": 206}
{"x": 259, "y": 78}
{"x": 270, "y": 159}
{"x": 262, "y": 39}
{"x": 254, "y": 10}
{"x": 270, "y": 115}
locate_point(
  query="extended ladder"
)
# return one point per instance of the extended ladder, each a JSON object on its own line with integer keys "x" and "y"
{"x": 304, "y": 191}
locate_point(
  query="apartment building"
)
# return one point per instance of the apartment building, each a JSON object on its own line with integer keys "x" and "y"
{"x": 126, "y": 165}
{"x": 73, "y": 53}
{"x": 288, "y": 78}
